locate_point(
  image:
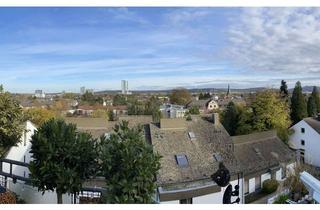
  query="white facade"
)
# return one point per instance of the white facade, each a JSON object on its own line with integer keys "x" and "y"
{"x": 173, "y": 111}
{"x": 213, "y": 198}
{"x": 125, "y": 87}
{"x": 21, "y": 153}
{"x": 212, "y": 105}
{"x": 306, "y": 141}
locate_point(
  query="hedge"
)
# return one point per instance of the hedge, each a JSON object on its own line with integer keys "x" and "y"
{"x": 269, "y": 186}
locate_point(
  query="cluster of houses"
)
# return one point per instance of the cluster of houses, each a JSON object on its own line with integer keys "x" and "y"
{"x": 191, "y": 152}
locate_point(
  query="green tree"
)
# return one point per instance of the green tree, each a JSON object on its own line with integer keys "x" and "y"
{"x": 156, "y": 116}
{"x": 298, "y": 104}
{"x": 129, "y": 166}
{"x": 180, "y": 96}
{"x": 230, "y": 118}
{"x": 119, "y": 100}
{"x": 194, "y": 110}
{"x": 100, "y": 113}
{"x": 152, "y": 105}
{"x": 311, "y": 107}
{"x": 270, "y": 112}
{"x": 111, "y": 116}
{"x": 11, "y": 119}
{"x": 38, "y": 115}
{"x": 315, "y": 94}
{"x": 284, "y": 89}
{"x": 245, "y": 121}
{"x": 62, "y": 158}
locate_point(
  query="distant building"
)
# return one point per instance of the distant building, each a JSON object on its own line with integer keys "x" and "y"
{"x": 82, "y": 90}
{"x": 39, "y": 94}
{"x": 172, "y": 111}
{"x": 306, "y": 140}
{"x": 125, "y": 87}
{"x": 204, "y": 106}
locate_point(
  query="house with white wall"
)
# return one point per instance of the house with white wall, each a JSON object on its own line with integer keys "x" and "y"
{"x": 204, "y": 106}
{"x": 21, "y": 153}
{"x": 172, "y": 111}
{"x": 262, "y": 156}
{"x": 305, "y": 140}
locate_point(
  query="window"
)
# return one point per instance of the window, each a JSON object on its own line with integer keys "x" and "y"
{"x": 217, "y": 157}
{"x": 192, "y": 136}
{"x": 302, "y": 130}
{"x": 24, "y": 158}
{"x": 182, "y": 160}
{"x": 186, "y": 201}
{"x": 302, "y": 142}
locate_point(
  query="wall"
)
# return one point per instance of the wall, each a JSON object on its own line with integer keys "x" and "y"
{"x": 312, "y": 143}
{"x": 252, "y": 186}
{"x": 214, "y": 198}
{"x": 279, "y": 175}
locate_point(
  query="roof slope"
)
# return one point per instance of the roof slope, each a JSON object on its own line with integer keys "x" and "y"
{"x": 210, "y": 139}
{"x": 314, "y": 123}
{"x": 260, "y": 151}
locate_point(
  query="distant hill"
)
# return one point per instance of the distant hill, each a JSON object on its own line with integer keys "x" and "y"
{"x": 306, "y": 89}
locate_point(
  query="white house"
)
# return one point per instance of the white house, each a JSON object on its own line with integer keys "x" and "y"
{"x": 172, "y": 111}
{"x": 306, "y": 140}
{"x": 21, "y": 153}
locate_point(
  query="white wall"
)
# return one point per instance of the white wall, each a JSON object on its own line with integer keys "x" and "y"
{"x": 252, "y": 186}
{"x": 279, "y": 175}
{"x": 214, "y": 198}
{"x": 312, "y": 142}
{"x": 264, "y": 177}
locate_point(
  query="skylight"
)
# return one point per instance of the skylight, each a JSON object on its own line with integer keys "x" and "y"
{"x": 217, "y": 157}
{"x": 182, "y": 160}
{"x": 192, "y": 136}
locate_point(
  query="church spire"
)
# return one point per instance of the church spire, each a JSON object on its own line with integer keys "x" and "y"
{"x": 228, "y": 92}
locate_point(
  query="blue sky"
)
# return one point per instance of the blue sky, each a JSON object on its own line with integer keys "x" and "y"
{"x": 57, "y": 49}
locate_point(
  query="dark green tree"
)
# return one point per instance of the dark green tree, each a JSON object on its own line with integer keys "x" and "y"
{"x": 284, "y": 89}
{"x": 298, "y": 104}
{"x": 62, "y": 158}
{"x": 194, "y": 110}
{"x": 312, "y": 107}
{"x": 129, "y": 166}
{"x": 152, "y": 105}
{"x": 119, "y": 100}
{"x": 11, "y": 119}
{"x": 230, "y": 118}
{"x": 316, "y": 96}
{"x": 156, "y": 116}
{"x": 245, "y": 122}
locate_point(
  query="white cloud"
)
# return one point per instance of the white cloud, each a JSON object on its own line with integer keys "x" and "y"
{"x": 283, "y": 40}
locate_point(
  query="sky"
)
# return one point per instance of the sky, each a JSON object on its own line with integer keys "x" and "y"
{"x": 56, "y": 49}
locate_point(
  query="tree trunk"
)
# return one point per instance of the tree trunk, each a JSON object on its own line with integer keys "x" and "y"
{"x": 59, "y": 198}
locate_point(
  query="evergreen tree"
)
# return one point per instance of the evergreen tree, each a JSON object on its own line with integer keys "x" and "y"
{"x": 312, "y": 107}
{"x": 230, "y": 118}
{"x": 298, "y": 104}
{"x": 284, "y": 89}
{"x": 316, "y": 96}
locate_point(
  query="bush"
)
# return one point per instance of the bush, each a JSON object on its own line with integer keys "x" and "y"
{"x": 281, "y": 199}
{"x": 188, "y": 117}
{"x": 270, "y": 186}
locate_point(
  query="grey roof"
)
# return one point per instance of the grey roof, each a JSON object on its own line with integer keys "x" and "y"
{"x": 99, "y": 126}
{"x": 199, "y": 103}
{"x": 261, "y": 151}
{"x": 314, "y": 123}
{"x": 210, "y": 139}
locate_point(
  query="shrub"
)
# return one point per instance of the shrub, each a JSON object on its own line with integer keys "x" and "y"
{"x": 281, "y": 199}
{"x": 188, "y": 117}
{"x": 270, "y": 186}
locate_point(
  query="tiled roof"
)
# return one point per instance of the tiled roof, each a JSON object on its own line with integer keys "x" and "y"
{"x": 314, "y": 123}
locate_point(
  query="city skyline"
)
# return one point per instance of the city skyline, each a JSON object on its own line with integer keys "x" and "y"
{"x": 57, "y": 49}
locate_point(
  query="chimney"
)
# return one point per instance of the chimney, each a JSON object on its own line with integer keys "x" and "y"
{"x": 215, "y": 118}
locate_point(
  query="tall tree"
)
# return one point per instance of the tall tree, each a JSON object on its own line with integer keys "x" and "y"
{"x": 284, "y": 89}
{"x": 298, "y": 104}
{"x": 129, "y": 166}
{"x": 62, "y": 158}
{"x": 270, "y": 112}
{"x": 11, "y": 119}
{"x": 180, "y": 96}
{"x": 230, "y": 118}
{"x": 312, "y": 107}
{"x": 316, "y": 96}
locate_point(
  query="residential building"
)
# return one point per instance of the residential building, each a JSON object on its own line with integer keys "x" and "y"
{"x": 172, "y": 111}
{"x": 305, "y": 140}
{"x": 205, "y": 106}
{"x": 262, "y": 156}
